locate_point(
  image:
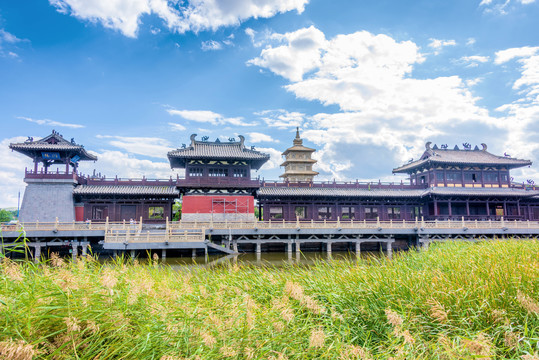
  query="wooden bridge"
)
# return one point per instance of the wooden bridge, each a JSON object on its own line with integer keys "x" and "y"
{"x": 235, "y": 236}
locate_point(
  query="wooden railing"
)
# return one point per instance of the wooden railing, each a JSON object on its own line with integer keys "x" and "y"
{"x": 128, "y": 236}
{"x": 177, "y": 229}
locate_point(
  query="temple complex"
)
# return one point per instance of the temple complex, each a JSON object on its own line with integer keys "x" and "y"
{"x": 298, "y": 163}
{"x": 457, "y": 183}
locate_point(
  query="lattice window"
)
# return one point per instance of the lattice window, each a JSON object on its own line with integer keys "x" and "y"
{"x": 240, "y": 172}
{"x": 196, "y": 172}
{"x": 218, "y": 172}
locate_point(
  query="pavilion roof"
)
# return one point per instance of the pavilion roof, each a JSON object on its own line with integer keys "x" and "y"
{"x": 232, "y": 150}
{"x": 52, "y": 143}
{"x": 126, "y": 190}
{"x": 392, "y": 193}
{"x": 434, "y": 156}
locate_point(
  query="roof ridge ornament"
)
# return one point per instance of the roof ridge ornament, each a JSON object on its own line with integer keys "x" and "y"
{"x": 427, "y": 145}
{"x": 484, "y": 146}
{"x": 242, "y": 141}
{"x": 192, "y": 137}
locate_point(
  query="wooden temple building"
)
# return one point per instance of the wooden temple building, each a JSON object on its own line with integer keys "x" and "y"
{"x": 458, "y": 183}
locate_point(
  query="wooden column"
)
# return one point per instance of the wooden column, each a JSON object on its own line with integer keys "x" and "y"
{"x": 467, "y": 207}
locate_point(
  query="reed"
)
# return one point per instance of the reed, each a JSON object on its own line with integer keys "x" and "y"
{"x": 454, "y": 301}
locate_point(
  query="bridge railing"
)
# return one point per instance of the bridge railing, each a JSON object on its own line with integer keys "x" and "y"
{"x": 355, "y": 224}
{"x": 128, "y": 236}
{"x": 177, "y": 228}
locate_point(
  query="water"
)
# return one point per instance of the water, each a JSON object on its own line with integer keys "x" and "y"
{"x": 272, "y": 259}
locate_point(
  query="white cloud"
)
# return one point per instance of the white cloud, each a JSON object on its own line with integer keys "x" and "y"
{"x": 211, "y": 45}
{"x": 211, "y": 117}
{"x": 471, "y": 41}
{"x": 147, "y": 146}
{"x": 282, "y": 119}
{"x": 177, "y": 127}
{"x": 48, "y": 122}
{"x": 510, "y": 54}
{"x": 6, "y": 37}
{"x": 438, "y": 44}
{"x": 275, "y": 160}
{"x": 502, "y": 7}
{"x": 117, "y": 163}
{"x": 12, "y": 172}
{"x": 474, "y": 60}
{"x": 256, "y": 137}
{"x": 10, "y": 40}
{"x": 194, "y": 15}
{"x": 384, "y": 111}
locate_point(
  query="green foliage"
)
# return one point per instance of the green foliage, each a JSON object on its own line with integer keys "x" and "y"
{"x": 176, "y": 211}
{"x": 5, "y": 215}
{"x": 454, "y": 301}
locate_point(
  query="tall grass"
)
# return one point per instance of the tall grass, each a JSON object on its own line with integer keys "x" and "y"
{"x": 454, "y": 301}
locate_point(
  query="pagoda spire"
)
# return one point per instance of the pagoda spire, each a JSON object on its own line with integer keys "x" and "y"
{"x": 298, "y": 140}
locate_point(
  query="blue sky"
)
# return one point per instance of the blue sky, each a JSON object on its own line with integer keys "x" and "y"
{"x": 368, "y": 82}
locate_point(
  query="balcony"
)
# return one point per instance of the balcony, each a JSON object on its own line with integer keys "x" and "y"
{"x": 219, "y": 182}
{"x": 342, "y": 184}
{"x": 29, "y": 174}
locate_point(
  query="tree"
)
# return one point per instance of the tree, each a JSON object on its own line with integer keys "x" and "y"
{"x": 5, "y": 215}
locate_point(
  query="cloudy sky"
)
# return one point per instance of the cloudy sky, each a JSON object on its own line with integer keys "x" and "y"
{"x": 367, "y": 81}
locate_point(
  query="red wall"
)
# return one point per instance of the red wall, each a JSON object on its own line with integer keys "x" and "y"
{"x": 202, "y": 204}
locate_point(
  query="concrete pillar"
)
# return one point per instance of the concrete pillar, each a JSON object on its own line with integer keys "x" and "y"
{"x": 194, "y": 253}
{"x": 389, "y": 249}
{"x": 84, "y": 249}
{"x": 75, "y": 251}
{"x": 298, "y": 247}
{"x": 358, "y": 248}
{"x": 37, "y": 253}
{"x": 329, "y": 247}
{"x": 258, "y": 258}
{"x": 289, "y": 247}
{"x": 163, "y": 254}
{"x": 115, "y": 254}
{"x": 235, "y": 245}
{"x": 258, "y": 247}
{"x": 132, "y": 254}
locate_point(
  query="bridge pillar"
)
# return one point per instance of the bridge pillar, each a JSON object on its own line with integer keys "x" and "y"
{"x": 328, "y": 248}
{"x": 258, "y": 247}
{"x": 75, "y": 251}
{"x": 115, "y": 254}
{"x": 235, "y": 245}
{"x": 194, "y": 253}
{"x": 37, "y": 253}
{"x": 132, "y": 254}
{"x": 289, "y": 247}
{"x": 389, "y": 249}
{"x": 358, "y": 248}
{"x": 84, "y": 249}
{"x": 163, "y": 254}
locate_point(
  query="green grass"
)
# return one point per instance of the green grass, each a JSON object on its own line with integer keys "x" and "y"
{"x": 454, "y": 301}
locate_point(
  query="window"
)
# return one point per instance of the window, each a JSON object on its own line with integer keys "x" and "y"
{"x": 440, "y": 176}
{"x": 505, "y": 177}
{"x": 100, "y": 212}
{"x": 453, "y": 176}
{"x": 324, "y": 212}
{"x": 417, "y": 211}
{"x": 347, "y": 213}
{"x": 240, "y": 172}
{"x": 394, "y": 213}
{"x": 196, "y": 172}
{"x": 471, "y": 177}
{"x": 276, "y": 212}
{"x": 218, "y": 172}
{"x": 371, "y": 213}
{"x": 300, "y": 212}
{"x": 156, "y": 212}
{"x": 535, "y": 212}
{"x": 491, "y": 177}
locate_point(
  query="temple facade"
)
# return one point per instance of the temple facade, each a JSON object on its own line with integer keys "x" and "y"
{"x": 457, "y": 183}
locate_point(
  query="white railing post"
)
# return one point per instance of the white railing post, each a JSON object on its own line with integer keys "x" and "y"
{"x": 123, "y": 224}
{"x": 378, "y": 221}
{"x": 351, "y": 223}
{"x": 324, "y": 222}
{"x": 476, "y": 224}
{"x": 297, "y": 222}
{"x": 463, "y": 221}
{"x": 422, "y": 221}
{"x": 528, "y": 222}
{"x": 166, "y": 225}
{"x": 56, "y": 223}
{"x": 37, "y": 224}
{"x": 503, "y": 221}
{"x": 391, "y": 223}
{"x": 338, "y": 221}
{"x": 140, "y": 224}
{"x": 403, "y": 223}
{"x": 90, "y": 224}
{"x": 106, "y": 224}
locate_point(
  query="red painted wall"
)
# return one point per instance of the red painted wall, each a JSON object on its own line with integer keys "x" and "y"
{"x": 202, "y": 204}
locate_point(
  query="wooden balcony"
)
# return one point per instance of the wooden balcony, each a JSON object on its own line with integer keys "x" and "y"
{"x": 219, "y": 182}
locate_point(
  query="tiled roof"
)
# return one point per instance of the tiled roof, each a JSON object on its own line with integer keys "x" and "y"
{"x": 217, "y": 151}
{"x": 464, "y": 191}
{"x": 337, "y": 192}
{"x": 392, "y": 193}
{"x": 435, "y": 156}
{"x": 54, "y": 142}
{"x": 125, "y": 190}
